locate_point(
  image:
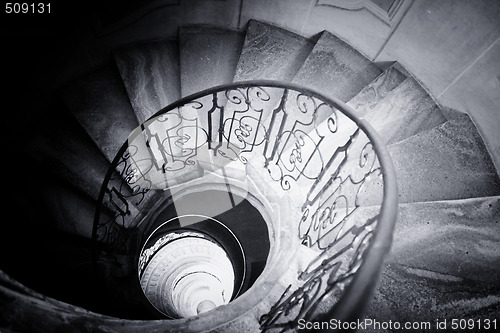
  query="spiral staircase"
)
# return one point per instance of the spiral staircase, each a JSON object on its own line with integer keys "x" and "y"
{"x": 444, "y": 261}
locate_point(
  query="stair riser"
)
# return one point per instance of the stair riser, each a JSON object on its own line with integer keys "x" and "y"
{"x": 372, "y": 94}
{"x": 336, "y": 69}
{"x": 447, "y": 162}
{"x": 404, "y": 112}
{"x": 150, "y": 72}
{"x": 208, "y": 57}
{"x": 271, "y": 53}
{"x": 99, "y": 102}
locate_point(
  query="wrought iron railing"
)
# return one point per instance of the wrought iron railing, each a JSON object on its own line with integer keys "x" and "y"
{"x": 330, "y": 166}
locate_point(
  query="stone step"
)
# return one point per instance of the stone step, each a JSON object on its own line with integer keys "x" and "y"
{"x": 71, "y": 211}
{"x": 458, "y": 238}
{"x": 404, "y": 112}
{"x": 99, "y": 102}
{"x": 150, "y": 72}
{"x": 451, "y": 113}
{"x": 445, "y": 163}
{"x": 374, "y": 92}
{"x": 63, "y": 147}
{"x": 397, "y": 106}
{"x": 66, "y": 150}
{"x": 408, "y": 295}
{"x": 208, "y": 56}
{"x": 271, "y": 53}
{"x": 336, "y": 69}
{"x": 14, "y": 295}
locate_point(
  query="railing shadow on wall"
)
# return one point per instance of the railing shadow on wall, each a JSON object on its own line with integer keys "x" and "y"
{"x": 310, "y": 152}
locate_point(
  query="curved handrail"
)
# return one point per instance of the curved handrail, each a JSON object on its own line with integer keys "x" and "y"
{"x": 374, "y": 237}
{"x": 360, "y": 290}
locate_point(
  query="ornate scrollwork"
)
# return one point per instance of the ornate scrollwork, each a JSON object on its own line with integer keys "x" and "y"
{"x": 322, "y": 281}
{"x": 295, "y": 144}
{"x": 333, "y": 222}
{"x": 308, "y": 147}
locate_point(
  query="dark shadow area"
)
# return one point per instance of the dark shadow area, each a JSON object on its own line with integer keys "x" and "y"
{"x": 243, "y": 220}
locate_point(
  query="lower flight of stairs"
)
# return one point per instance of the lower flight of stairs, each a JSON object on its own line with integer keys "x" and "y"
{"x": 445, "y": 259}
{"x": 443, "y": 263}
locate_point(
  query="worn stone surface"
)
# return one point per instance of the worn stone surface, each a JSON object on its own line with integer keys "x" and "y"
{"x": 150, "y": 71}
{"x": 64, "y": 148}
{"x": 458, "y": 238}
{"x": 99, "y": 102}
{"x": 444, "y": 263}
{"x": 208, "y": 56}
{"x": 336, "y": 69}
{"x": 420, "y": 296}
{"x": 72, "y": 211}
{"x": 271, "y": 53}
{"x": 447, "y": 162}
{"x": 371, "y": 95}
{"x": 404, "y": 112}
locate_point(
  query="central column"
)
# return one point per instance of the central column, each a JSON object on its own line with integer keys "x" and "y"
{"x": 185, "y": 273}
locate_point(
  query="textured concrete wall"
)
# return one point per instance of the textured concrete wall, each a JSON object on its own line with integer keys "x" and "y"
{"x": 477, "y": 92}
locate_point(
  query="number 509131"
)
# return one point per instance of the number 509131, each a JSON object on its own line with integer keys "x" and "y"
{"x": 27, "y": 8}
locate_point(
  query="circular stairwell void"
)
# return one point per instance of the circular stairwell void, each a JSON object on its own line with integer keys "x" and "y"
{"x": 193, "y": 263}
{"x": 319, "y": 178}
{"x": 185, "y": 273}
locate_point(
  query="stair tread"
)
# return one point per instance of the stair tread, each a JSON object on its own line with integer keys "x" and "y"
{"x": 405, "y": 111}
{"x": 99, "y": 102}
{"x": 374, "y": 92}
{"x": 447, "y": 162}
{"x": 271, "y": 53}
{"x": 65, "y": 149}
{"x": 72, "y": 211}
{"x": 208, "y": 56}
{"x": 150, "y": 72}
{"x": 451, "y": 113}
{"x": 411, "y": 295}
{"x": 457, "y": 238}
{"x": 335, "y": 68}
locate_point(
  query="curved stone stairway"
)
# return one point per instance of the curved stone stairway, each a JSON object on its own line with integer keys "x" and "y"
{"x": 445, "y": 259}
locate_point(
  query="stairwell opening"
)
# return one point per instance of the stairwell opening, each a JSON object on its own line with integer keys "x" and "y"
{"x": 193, "y": 262}
{"x": 318, "y": 178}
